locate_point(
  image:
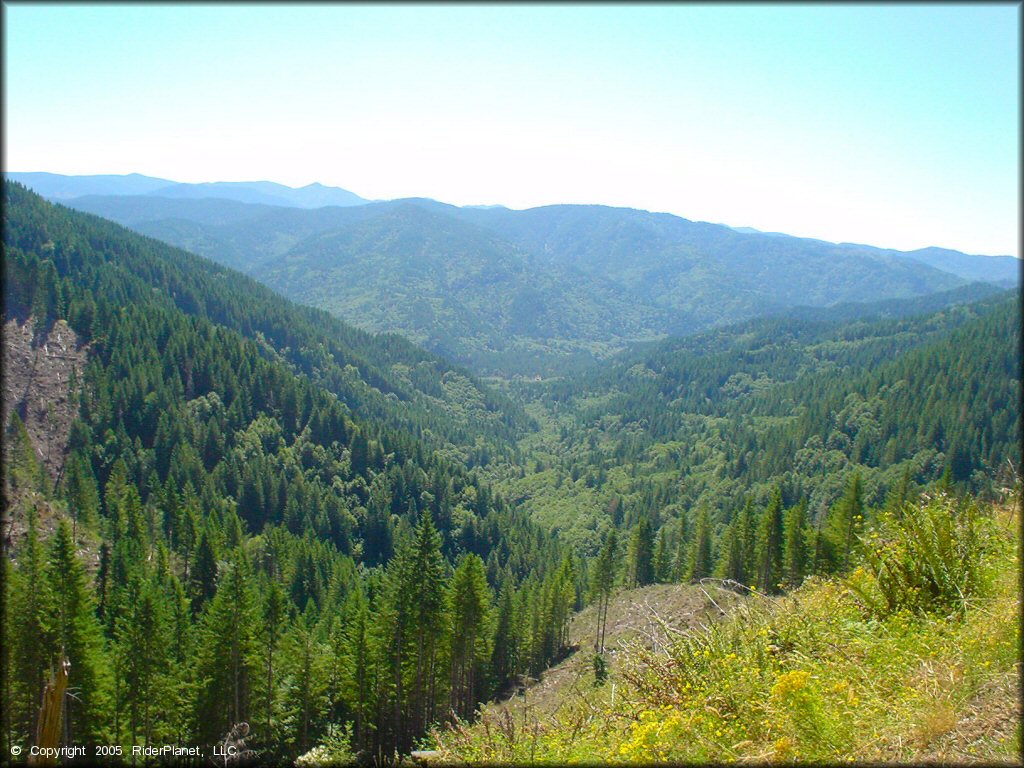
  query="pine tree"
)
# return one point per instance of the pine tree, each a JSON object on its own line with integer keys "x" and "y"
{"x": 746, "y": 531}
{"x": 853, "y": 511}
{"x": 770, "y": 541}
{"x": 359, "y": 456}
{"x": 641, "y": 554}
{"x": 355, "y": 660}
{"x": 845, "y": 519}
{"x": 681, "y": 562}
{"x": 700, "y": 552}
{"x": 178, "y": 686}
{"x": 274, "y": 617}
{"x": 306, "y": 689}
{"x": 79, "y": 639}
{"x": 794, "y": 556}
{"x": 81, "y": 492}
{"x": 505, "y": 643}
{"x": 35, "y": 645}
{"x": 7, "y": 703}
{"x": 425, "y": 584}
{"x": 143, "y": 645}
{"x": 410, "y": 627}
{"x": 469, "y": 602}
{"x": 662, "y": 558}
{"x": 227, "y": 653}
{"x": 730, "y": 562}
{"x": 203, "y": 579}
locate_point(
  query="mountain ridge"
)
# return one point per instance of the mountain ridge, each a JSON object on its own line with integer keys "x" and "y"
{"x": 62, "y": 187}
{"x": 611, "y": 276}
{"x": 570, "y": 285}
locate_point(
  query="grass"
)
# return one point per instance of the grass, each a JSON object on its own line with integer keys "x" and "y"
{"x": 830, "y": 673}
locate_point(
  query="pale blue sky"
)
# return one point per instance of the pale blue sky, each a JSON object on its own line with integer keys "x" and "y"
{"x": 891, "y": 125}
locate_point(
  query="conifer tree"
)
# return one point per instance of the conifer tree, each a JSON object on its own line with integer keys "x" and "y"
{"x": 662, "y": 558}
{"x": 203, "y": 578}
{"x": 469, "y": 602}
{"x": 770, "y": 541}
{"x": 681, "y": 561}
{"x": 641, "y": 554}
{"x": 6, "y": 641}
{"x": 425, "y": 585}
{"x": 729, "y": 554}
{"x": 78, "y": 637}
{"x": 34, "y": 636}
{"x": 747, "y": 531}
{"x": 143, "y": 649}
{"x": 845, "y": 519}
{"x": 505, "y": 642}
{"x": 700, "y": 552}
{"x": 794, "y": 557}
{"x": 179, "y": 686}
{"x": 272, "y": 626}
{"x": 306, "y": 688}
{"x": 355, "y": 661}
{"x": 80, "y": 491}
{"x": 227, "y": 653}
{"x": 853, "y": 511}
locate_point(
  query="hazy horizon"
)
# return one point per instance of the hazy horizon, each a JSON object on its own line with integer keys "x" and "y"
{"x": 731, "y": 225}
{"x": 895, "y": 125}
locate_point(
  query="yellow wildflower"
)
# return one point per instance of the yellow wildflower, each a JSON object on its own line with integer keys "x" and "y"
{"x": 790, "y": 682}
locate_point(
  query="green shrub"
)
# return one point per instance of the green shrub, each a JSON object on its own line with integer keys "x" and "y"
{"x": 926, "y": 558}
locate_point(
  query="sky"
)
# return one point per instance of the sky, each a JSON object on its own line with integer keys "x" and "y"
{"x": 892, "y": 125}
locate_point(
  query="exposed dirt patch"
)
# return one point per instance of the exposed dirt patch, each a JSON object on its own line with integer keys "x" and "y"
{"x": 649, "y": 615}
{"x": 37, "y": 375}
{"x": 987, "y": 727}
{"x": 36, "y": 387}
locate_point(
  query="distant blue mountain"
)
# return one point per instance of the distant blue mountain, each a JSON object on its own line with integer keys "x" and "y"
{"x": 1000, "y": 270}
{"x": 59, "y": 187}
{"x": 266, "y": 193}
{"x": 1005, "y": 270}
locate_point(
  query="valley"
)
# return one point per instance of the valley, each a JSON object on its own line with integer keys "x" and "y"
{"x": 351, "y": 472}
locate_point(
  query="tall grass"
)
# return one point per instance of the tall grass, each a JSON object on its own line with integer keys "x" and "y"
{"x": 912, "y": 657}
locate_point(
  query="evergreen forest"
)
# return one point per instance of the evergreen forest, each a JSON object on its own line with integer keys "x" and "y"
{"x": 258, "y": 513}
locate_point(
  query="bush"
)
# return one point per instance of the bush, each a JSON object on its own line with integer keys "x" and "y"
{"x": 925, "y": 558}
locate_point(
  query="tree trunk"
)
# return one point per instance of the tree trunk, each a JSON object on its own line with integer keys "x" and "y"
{"x": 50, "y": 715}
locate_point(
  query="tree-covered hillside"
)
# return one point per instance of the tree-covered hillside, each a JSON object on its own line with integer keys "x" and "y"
{"x": 709, "y": 421}
{"x": 243, "y": 529}
{"x": 249, "y": 511}
{"x": 383, "y": 376}
{"x": 458, "y": 290}
{"x": 542, "y": 291}
{"x": 911, "y": 658}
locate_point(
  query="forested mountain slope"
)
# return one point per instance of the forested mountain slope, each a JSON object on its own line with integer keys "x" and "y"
{"x": 457, "y": 289}
{"x": 711, "y": 420}
{"x": 571, "y": 284}
{"x": 261, "y": 513}
{"x": 383, "y": 376}
{"x": 707, "y": 273}
{"x": 244, "y": 530}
